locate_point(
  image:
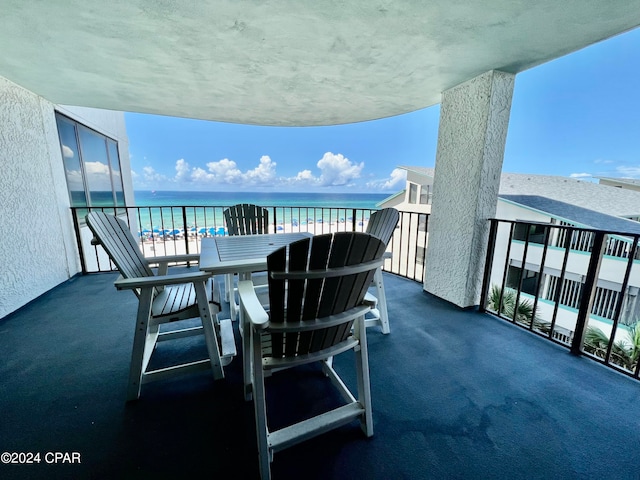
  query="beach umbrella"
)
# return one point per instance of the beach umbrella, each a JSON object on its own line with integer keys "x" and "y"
{"x": 280, "y": 228}
{"x": 202, "y": 231}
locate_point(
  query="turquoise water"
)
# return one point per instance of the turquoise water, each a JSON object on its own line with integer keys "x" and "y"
{"x": 335, "y": 200}
{"x": 204, "y": 209}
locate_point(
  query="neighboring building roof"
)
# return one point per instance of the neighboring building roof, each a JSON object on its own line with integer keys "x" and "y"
{"x": 605, "y": 199}
{"x": 623, "y": 181}
{"x": 391, "y": 197}
{"x": 583, "y": 216}
{"x": 427, "y": 171}
{"x": 585, "y": 196}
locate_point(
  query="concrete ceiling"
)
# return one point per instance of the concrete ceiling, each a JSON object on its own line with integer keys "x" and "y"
{"x": 286, "y": 62}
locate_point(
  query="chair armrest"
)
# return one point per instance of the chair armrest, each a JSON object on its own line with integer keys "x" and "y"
{"x": 252, "y": 306}
{"x": 161, "y": 280}
{"x": 190, "y": 257}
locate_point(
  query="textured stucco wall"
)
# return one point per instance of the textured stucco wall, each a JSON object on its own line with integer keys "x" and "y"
{"x": 474, "y": 118}
{"x": 37, "y": 245}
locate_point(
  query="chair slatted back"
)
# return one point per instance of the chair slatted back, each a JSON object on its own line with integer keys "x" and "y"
{"x": 382, "y": 223}
{"x": 315, "y": 278}
{"x": 119, "y": 243}
{"x": 246, "y": 219}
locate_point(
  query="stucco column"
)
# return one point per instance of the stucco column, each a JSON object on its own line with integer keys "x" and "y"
{"x": 474, "y": 117}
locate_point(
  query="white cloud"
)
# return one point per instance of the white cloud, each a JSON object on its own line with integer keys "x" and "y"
{"x": 200, "y": 175}
{"x": 96, "y": 168}
{"x": 182, "y": 170}
{"x": 305, "y": 176}
{"x": 224, "y": 171}
{"x": 149, "y": 175}
{"x": 74, "y": 179}
{"x": 99, "y": 175}
{"x": 396, "y": 180}
{"x": 265, "y": 172}
{"x": 629, "y": 172}
{"x": 334, "y": 170}
{"x": 67, "y": 152}
{"x": 580, "y": 175}
{"x": 338, "y": 170}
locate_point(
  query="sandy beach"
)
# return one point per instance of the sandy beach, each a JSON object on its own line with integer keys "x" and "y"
{"x": 157, "y": 245}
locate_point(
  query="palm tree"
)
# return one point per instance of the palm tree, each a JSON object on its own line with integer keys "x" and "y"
{"x": 624, "y": 353}
{"x": 522, "y": 314}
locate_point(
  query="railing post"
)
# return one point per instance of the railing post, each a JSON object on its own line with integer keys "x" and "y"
{"x": 76, "y": 228}
{"x": 588, "y": 292}
{"x": 186, "y": 231}
{"x": 488, "y": 263}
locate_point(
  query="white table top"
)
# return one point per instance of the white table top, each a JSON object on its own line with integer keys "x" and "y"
{"x": 242, "y": 253}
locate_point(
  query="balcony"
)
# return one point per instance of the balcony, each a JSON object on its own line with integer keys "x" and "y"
{"x": 456, "y": 394}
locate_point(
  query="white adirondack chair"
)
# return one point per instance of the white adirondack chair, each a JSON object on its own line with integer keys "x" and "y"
{"x": 242, "y": 219}
{"x": 316, "y": 292}
{"x": 382, "y": 224}
{"x": 162, "y": 298}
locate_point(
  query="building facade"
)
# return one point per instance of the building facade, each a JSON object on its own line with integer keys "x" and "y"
{"x": 40, "y": 177}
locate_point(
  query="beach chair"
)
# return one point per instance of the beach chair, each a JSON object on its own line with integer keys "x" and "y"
{"x": 316, "y": 296}
{"x": 242, "y": 219}
{"x": 382, "y": 224}
{"x": 163, "y": 298}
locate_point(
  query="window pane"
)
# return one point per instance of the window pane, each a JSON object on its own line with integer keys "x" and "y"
{"x": 116, "y": 178}
{"x": 534, "y": 233}
{"x": 425, "y": 195}
{"x": 96, "y": 168}
{"x": 413, "y": 193}
{"x": 529, "y": 282}
{"x": 71, "y": 159}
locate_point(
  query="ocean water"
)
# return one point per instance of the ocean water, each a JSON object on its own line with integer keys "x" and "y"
{"x": 204, "y": 209}
{"x": 265, "y": 199}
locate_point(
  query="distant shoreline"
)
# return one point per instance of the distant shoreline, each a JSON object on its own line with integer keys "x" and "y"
{"x": 151, "y": 198}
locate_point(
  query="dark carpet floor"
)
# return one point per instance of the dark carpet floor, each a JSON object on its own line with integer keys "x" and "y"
{"x": 456, "y": 394}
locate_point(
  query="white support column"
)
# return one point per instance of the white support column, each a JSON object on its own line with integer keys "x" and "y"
{"x": 474, "y": 117}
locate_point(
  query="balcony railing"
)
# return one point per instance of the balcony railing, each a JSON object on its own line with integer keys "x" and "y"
{"x": 576, "y": 286}
{"x": 166, "y": 230}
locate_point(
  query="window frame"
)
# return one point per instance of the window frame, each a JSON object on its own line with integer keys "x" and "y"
{"x": 111, "y": 146}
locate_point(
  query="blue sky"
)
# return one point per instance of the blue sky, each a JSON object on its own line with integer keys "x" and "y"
{"x": 576, "y": 116}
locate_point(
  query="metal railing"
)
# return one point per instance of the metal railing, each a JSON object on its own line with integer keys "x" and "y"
{"x": 580, "y": 294}
{"x": 167, "y": 230}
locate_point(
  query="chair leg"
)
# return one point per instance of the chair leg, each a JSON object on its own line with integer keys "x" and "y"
{"x": 362, "y": 369}
{"x": 209, "y": 332}
{"x": 260, "y": 408}
{"x": 247, "y": 357}
{"x": 382, "y": 301}
{"x": 228, "y": 285}
{"x": 143, "y": 344}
